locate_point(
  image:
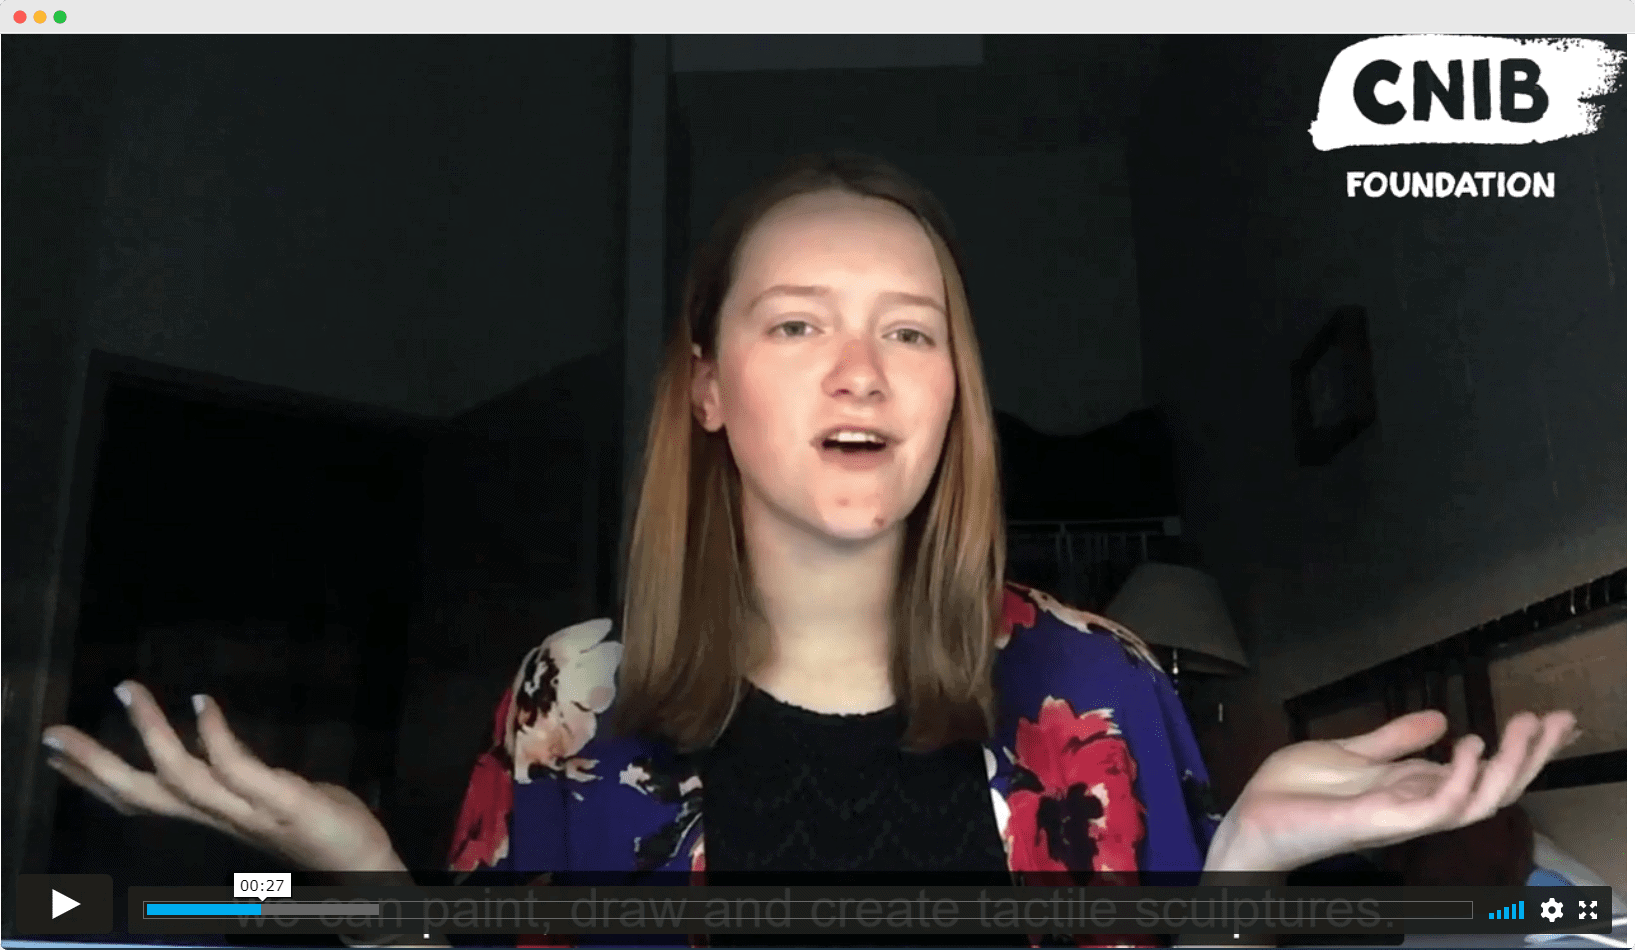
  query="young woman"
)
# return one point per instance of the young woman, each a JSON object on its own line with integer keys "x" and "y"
{"x": 819, "y": 666}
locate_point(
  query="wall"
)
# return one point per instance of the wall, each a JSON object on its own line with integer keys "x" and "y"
{"x": 520, "y": 530}
{"x": 412, "y": 223}
{"x": 57, "y": 96}
{"x": 730, "y": 52}
{"x": 1026, "y": 152}
{"x": 1495, "y": 475}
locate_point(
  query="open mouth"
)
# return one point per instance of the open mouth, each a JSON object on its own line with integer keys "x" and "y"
{"x": 854, "y": 441}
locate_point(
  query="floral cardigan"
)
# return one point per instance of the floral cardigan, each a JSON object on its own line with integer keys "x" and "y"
{"x": 1092, "y": 766}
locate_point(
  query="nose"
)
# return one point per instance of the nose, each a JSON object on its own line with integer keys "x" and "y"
{"x": 857, "y": 372}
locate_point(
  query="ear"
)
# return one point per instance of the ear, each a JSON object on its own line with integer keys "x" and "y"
{"x": 706, "y": 392}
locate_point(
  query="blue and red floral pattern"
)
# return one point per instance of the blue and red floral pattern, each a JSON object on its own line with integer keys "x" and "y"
{"x": 1093, "y": 770}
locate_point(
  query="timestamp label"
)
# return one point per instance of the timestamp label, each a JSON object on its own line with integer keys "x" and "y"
{"x": 261, "y": 886}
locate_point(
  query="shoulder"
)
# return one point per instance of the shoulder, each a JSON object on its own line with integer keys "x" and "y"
{"x": 574, "y": 661}
{"x": 1034, "y": 622}
{"x": 557, "y": 701}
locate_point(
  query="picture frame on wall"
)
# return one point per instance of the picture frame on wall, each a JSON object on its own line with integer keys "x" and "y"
{"x": 1333, "y": 387}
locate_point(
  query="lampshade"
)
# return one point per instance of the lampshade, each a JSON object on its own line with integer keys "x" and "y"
{"x": 1180, "y": 608}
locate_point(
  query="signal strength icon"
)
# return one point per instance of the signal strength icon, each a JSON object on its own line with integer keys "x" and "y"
{"x": 1516, "y": 911}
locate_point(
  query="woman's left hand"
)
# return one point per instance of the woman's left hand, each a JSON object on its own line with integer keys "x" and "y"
{"x": 1313, "y": 800}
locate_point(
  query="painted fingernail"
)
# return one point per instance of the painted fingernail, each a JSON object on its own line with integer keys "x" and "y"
{"x": 53, "y": 743}
{"x": 198, "y": 703}
{"x": 124, "y": 693}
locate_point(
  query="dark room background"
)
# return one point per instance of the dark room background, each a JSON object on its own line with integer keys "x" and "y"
{"x": 329, "y": 354}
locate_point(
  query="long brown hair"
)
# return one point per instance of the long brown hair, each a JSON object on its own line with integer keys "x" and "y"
{"x": 688, "y": 597}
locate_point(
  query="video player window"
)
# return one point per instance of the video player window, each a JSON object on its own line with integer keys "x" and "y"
{"x": 731, "y": 487}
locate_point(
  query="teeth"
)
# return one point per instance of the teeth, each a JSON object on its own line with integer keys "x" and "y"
{"x": 858, "y": 437}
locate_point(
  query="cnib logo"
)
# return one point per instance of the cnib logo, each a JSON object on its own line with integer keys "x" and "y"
{"x": 1402, "y": 90}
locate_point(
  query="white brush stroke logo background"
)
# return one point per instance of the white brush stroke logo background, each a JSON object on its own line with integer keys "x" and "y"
{"x": 1570, "y": 71}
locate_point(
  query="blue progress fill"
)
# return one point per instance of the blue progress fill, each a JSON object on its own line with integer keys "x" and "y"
{"x": 204, "y": 910}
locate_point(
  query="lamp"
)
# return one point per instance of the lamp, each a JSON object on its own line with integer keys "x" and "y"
{"x": 1181, "y": 609}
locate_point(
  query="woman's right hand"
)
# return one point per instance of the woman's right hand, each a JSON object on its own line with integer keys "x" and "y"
{"x": 313, "y": 825}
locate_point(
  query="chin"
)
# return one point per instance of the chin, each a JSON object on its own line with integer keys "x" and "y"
{"x": 857, "y": 525}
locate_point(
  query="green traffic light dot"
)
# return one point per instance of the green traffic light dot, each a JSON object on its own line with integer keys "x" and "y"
{"x": 60, "y": 17}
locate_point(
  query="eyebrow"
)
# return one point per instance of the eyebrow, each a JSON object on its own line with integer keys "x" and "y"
{"x": 797, "y": 290}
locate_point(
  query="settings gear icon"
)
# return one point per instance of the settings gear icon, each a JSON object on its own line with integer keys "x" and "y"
{"x": 1551, "y": 910}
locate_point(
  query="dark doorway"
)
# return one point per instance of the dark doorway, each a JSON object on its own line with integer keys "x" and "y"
{"x": 262, "y": 554}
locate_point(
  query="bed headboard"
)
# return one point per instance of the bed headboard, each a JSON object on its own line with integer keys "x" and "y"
{"x": 1480, "y": 675}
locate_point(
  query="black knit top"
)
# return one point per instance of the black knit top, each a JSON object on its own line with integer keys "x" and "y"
{"x": 804, "y": 797}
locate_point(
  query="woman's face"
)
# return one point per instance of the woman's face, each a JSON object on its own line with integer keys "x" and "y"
{"x": 833, "y": 376}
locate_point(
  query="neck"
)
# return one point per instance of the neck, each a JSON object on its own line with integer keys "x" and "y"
{"x": 827, "y": 610}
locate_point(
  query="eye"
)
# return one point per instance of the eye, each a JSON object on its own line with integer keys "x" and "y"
{"x": 792, "y": 328}
{"x": 911, "y": 336}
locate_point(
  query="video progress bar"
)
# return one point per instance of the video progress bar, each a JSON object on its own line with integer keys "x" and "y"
{"x": 1398, "y": 910}
{"x": 251, "y": 909}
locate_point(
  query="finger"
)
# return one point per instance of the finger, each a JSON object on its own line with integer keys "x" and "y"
{"x": 1500, "y": 773}
{"x": 69, "y": 743}
{"x": 163, "y": 745}
{"x": 236, "y": 767}
{"x": 127, "y": 790}
{"x": 1399, "y": 737}
{"x": 187, "y": 777}
{"x": 77, "y": 774}
{"x": 113, "y": 780}
{"x": 88, "y": 763}
{"x": 1558, "y": 730}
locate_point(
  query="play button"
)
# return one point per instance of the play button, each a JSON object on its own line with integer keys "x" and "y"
{"x": 65, "y": 903}
{"x": 61, "y": 904}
